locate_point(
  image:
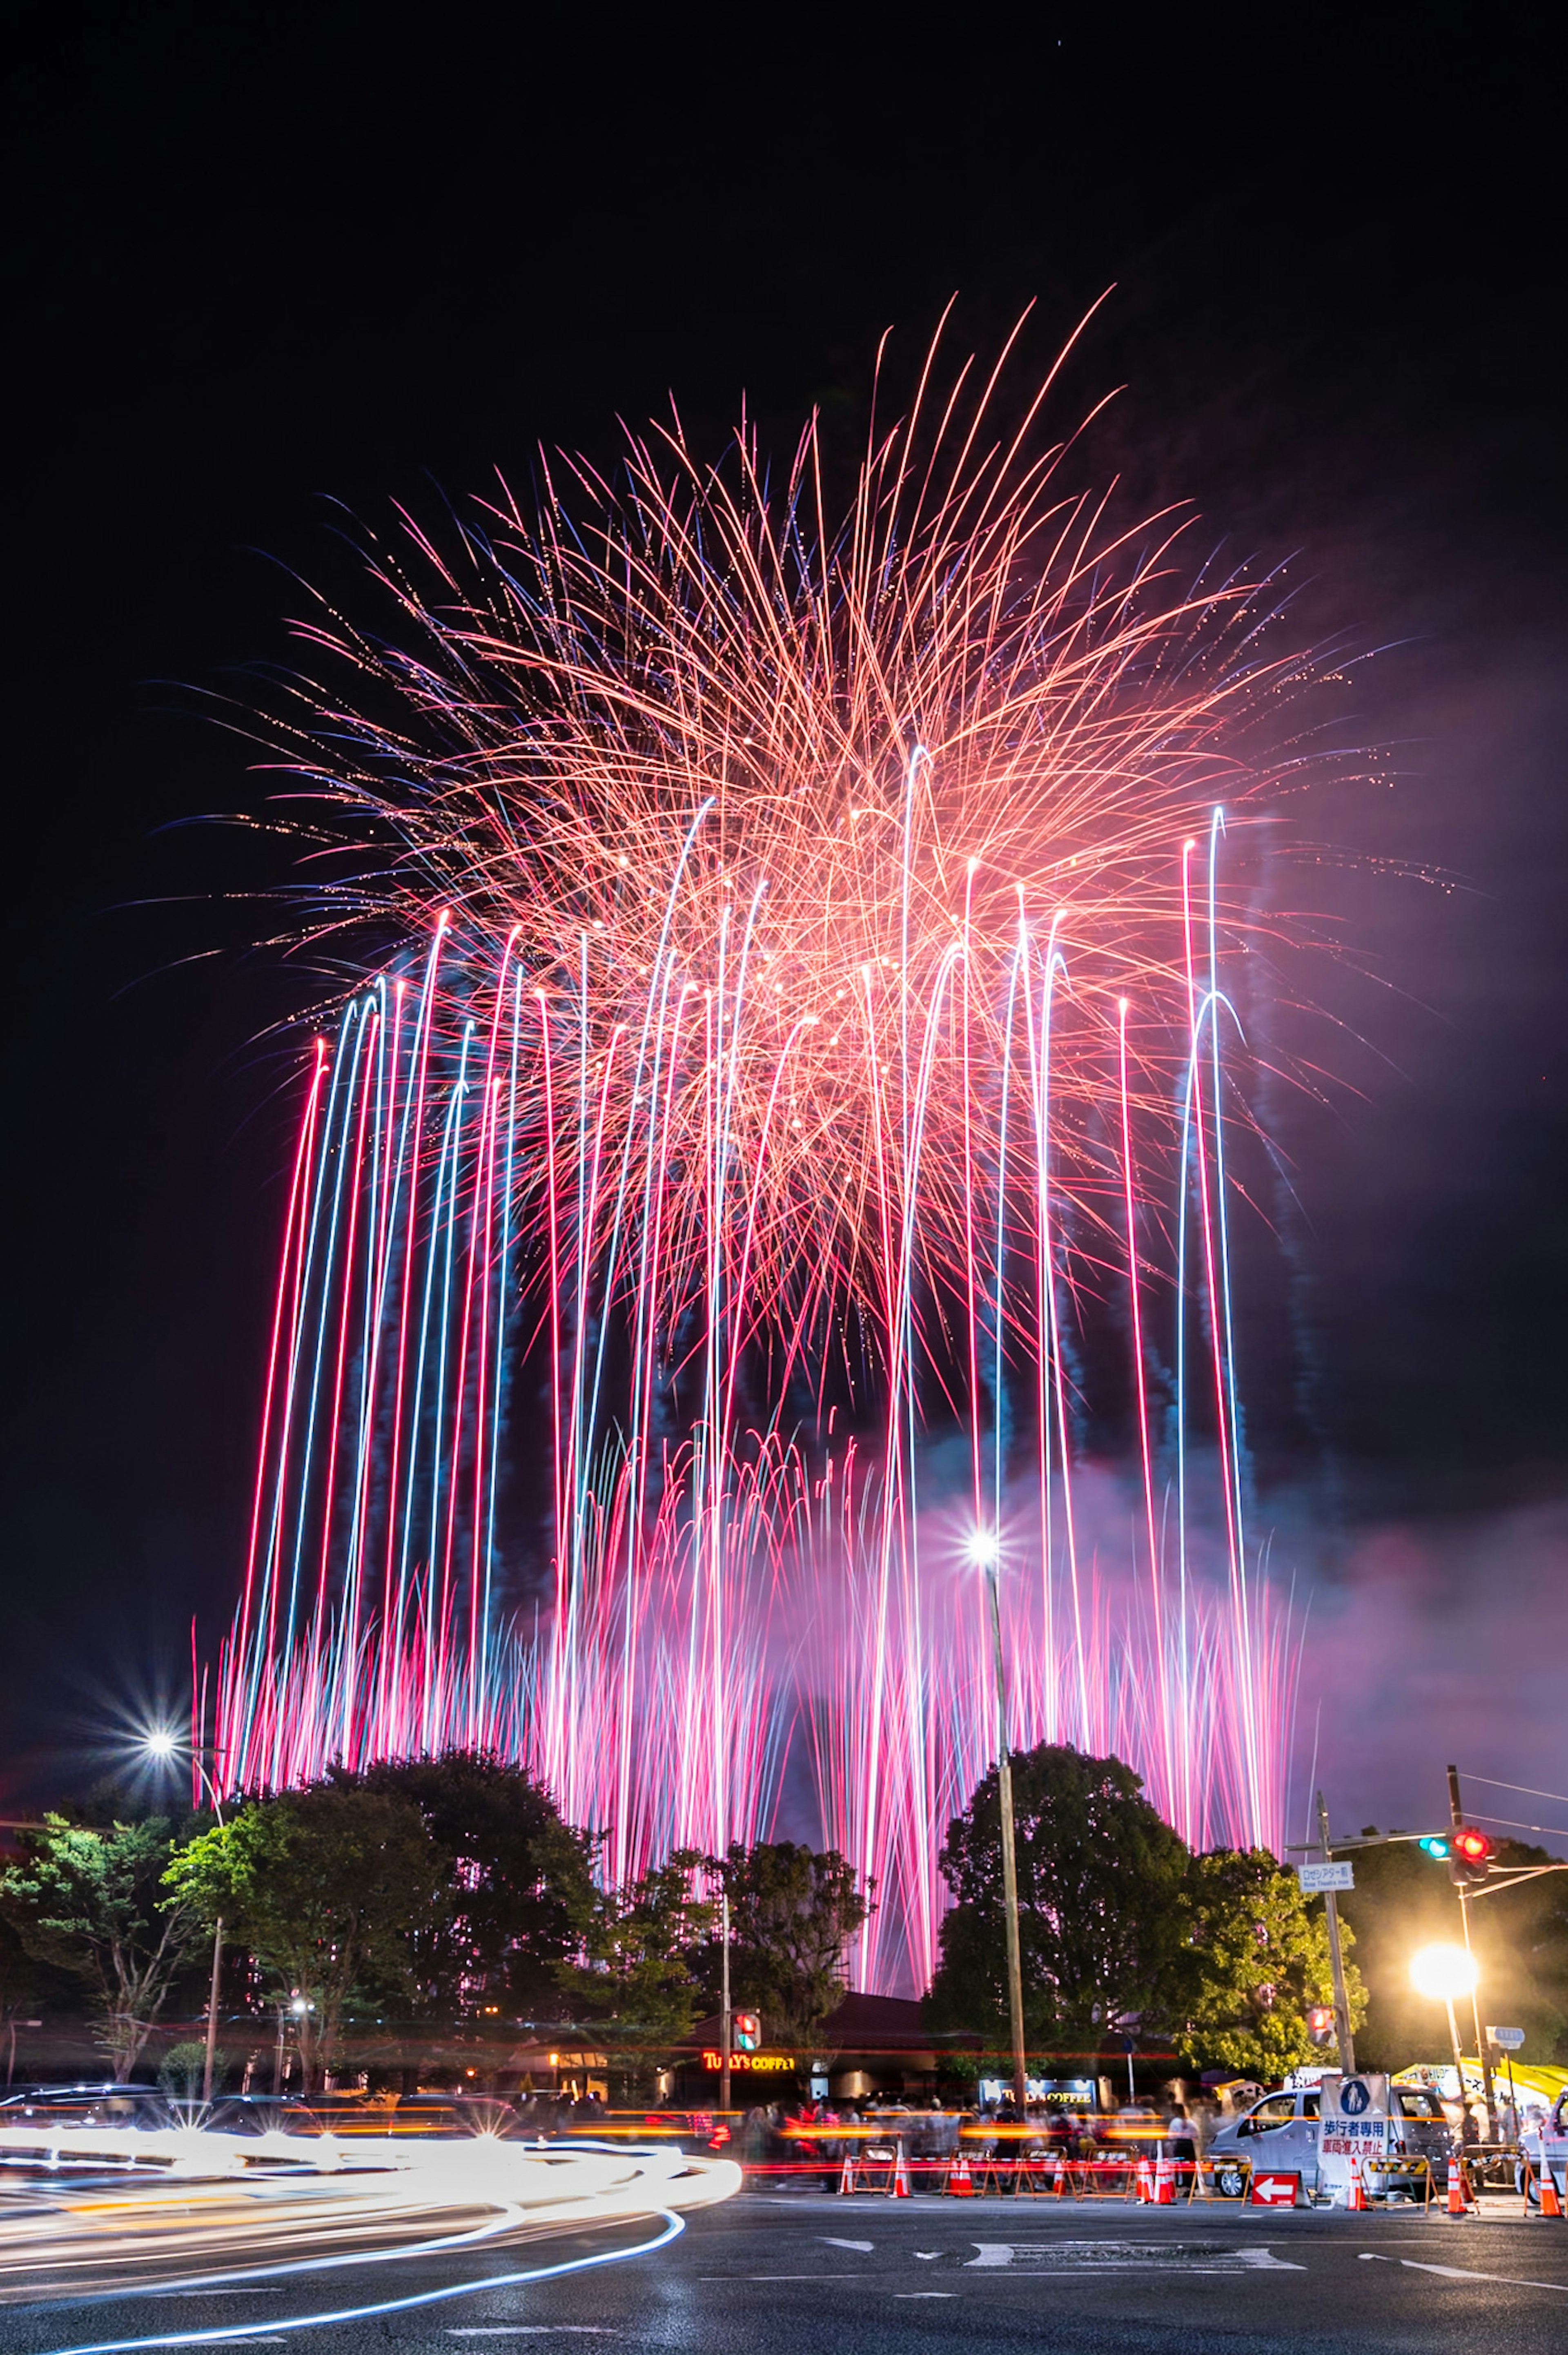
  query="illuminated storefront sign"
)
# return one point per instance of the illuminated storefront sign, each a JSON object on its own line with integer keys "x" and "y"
{"x": 759, "y": 2063}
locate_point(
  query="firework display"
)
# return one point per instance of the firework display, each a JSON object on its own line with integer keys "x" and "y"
{"x": 798, "y": 1024}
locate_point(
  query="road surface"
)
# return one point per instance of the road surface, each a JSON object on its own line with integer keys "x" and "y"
{"x": 795, "y": 2274}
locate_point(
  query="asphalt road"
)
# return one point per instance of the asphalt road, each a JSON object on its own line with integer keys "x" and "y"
{"x": 798, "y": 2274}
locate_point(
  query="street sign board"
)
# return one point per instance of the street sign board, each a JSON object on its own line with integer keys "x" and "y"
{"x": 1326, "y": 1876}
{"x": 1509, "y": 2039}
{"x": 1274, "y": 2190}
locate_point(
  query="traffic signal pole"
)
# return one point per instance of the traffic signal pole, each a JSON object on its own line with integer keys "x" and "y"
{"x": 1483, "y": 2049}
{"x": 1342, "y": 2036}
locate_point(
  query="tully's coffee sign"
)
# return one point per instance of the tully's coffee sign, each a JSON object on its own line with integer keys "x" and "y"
{"x": 757, "y": 2063}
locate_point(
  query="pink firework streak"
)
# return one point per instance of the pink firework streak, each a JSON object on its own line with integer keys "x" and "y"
{"x": 815, "y": 984}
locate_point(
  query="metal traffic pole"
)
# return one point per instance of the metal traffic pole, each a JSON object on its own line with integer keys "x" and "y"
{"x": 1336, "y": 1955}
{"x": 1483, "y": 2050}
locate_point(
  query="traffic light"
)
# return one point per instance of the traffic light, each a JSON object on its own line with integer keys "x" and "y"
{"x": 1321, "y": 2022}
{"x": 746, "y": 2029}
{"x": 1439, "y": 1844}
{"x": 1471, "y": 1857}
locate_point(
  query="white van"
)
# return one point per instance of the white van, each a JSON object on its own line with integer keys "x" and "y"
{"x": 1279, "y": 2135}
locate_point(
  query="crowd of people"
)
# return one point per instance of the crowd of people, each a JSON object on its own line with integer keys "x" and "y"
{"x": 801, "y": 2138}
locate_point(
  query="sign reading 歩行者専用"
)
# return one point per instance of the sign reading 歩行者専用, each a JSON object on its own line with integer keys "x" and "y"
{"x": 1326, "y": 1876}
{"x": 759, "y": 2063}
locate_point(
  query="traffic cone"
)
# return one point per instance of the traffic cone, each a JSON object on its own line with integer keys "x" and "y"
{"x": 1550, "y": 2203}
{"x": 1456, "y": 2188}
{"x": 961, "y": 2182}
{"x": 846, "y": 2175}
{"x": 1164, "y": 2183}
{"x": 1145, "y": 2188}
{"x": 1060, "y": 2184}
{"x": 1356, "y": 2201}
{"x": 899, "y": 2187}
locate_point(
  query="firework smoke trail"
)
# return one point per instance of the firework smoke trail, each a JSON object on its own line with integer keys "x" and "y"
{"x": 801, "y": 968}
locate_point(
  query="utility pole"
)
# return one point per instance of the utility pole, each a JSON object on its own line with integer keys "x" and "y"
{"x": 1483, "y": 2049}
{"x": 1336, "y": 1955}
{"x": 1009, "y": 1859}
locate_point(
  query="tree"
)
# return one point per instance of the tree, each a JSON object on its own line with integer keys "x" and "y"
{"x": 1102, "y": 1896}
{"x": 328, "y": 1887}
{"x": 1260, "y": 1958}
{"x": 638, "y": 1950}
{"x": 792, "y": 1911}
{"x": 93, "y": 1903}
{"x": 520, "y": 1884}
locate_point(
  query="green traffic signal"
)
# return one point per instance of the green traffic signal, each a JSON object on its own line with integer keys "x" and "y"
{"x": 1439, "y": 1845}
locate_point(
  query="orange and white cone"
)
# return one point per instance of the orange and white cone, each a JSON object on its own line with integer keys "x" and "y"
{"x": 899, "y": 2187}
{"x": 1059, "y": 2184}
{"x": 961, "y": 2182}
{"x": 1145, "y": 2187}
{"x": 1356, "y": 2198}
{"x": 1456, "y": 2188}
{"x": 1164, "y": 2183}
{"x": 1550, "y": 2203}
{"x": 846, "y": 2174}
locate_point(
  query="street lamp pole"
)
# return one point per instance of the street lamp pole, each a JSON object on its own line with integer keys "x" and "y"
{"x": 160, "y": 1744}
{"x": 1008, "y": 1845}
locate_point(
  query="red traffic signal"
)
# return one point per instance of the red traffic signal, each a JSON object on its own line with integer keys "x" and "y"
{"x": 1471, "y": 1858}
{"x": 1321, "y": 2022}
{"x": 747, "y": 2027}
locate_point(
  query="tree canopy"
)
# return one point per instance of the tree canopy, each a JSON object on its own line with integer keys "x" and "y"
{"x": 1260, "y": 1961}
{"x": 641, "y": 1950}
{"x": 519, "y": 1884}
{"x": 328, "y": 1888}
{"x": 792, "y": 1912}
{"x": 92, "y": 1901}
{"x": 1103, "y": 1909}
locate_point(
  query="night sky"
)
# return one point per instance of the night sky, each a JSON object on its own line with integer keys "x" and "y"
{"x": 261, "y": 254}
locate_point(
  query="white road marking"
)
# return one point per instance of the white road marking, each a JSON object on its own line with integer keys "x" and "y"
{"x": 1463, "y": 2273}
{"x": 926, "y": 2254}
{"x": 1125, "y": 2257}
{"x": 828, "y": 2241}
{"x": 925, "y": 2293}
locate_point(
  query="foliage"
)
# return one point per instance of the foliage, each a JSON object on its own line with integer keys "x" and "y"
{"x": 183, "y": 2069}
{"x": 324, "y": 1886}
{"x": 91, "y": 1902}
{"x": 640, "y": 1947}
{"x": 519, "y": 1884}
{"x": 1103, "y": 1904}
{"x": 1260, "y": 1957}
{"x": 792, "y": 1911}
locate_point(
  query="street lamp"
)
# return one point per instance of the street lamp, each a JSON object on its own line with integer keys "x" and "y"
{"x": 160, "y": 1744}
{"x": 1443, "y": 1972}
{"x": 984, "y": 1553}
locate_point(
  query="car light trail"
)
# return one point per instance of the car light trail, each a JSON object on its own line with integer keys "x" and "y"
{"x": 204, "y": 2221}
{"x": 672, "y": 2225}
